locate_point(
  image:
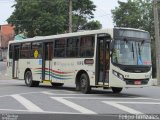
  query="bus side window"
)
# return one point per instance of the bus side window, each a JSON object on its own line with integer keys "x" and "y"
{"x": 16, "y": 52}
{"x": 25, "y": 50}
{"x": 72, "y": 47}
{"x": 87, "y": 46}
{"x": 36, "y": 46}
{"x": 59, "y": 48}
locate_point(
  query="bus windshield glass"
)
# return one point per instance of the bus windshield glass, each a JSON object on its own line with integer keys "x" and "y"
{"x": 131, "y": 53}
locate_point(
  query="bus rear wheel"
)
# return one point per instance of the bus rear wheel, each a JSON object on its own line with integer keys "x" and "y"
{"x": 29, "y": 81}
{"x": 84, "y": 84}
{"x": 116, "y": 89}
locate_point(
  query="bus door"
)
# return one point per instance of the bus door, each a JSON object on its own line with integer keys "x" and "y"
{"x": 15, "y": 68}
{"x": 103, "y": 61}
{"x": 47, "y": 61}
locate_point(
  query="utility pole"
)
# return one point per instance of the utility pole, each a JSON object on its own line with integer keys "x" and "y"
{"x": 157, "y": 39}
{"x": 70, "y": 16}
{"x": 0, "y": 42}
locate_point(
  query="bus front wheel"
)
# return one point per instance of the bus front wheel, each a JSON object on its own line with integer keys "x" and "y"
{"x": 84, "y": 84}
{"x": 116, "y": 89}
{"x": 28, "y": 80}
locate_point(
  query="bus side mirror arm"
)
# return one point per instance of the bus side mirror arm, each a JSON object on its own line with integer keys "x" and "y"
{"x": 111, "y": 45}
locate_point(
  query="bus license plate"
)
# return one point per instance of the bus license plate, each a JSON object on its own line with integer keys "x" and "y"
{"x": 137, "y": 82}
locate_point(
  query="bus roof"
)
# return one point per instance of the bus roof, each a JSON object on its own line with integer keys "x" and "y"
{"x": 130, "y": 29}
{"x": 87, "y": 32}
{"x": 81, "y": 33}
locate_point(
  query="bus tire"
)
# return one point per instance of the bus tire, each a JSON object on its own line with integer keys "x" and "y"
{"x": 57, "y": 84}
{"x": 84, "y": 84}
{"x": 28, "y": 80}
{"x": 78, "y": 86}
{"x": 116, "y": 89}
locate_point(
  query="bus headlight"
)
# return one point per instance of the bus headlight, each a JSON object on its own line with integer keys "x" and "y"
{"x": 120, "y": 76}
{"x": 115, "y": 73}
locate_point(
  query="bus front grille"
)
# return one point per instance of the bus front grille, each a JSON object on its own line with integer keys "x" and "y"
{"x": 132, "y": 81}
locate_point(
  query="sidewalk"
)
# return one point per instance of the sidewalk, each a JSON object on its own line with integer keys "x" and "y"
{"x": 154, "y": 82}
{"x": 3, "y": 75}
{"x": 3, "y": 70}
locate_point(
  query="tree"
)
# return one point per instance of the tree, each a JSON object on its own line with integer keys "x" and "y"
{"x": 127, "y": 15}
{"x": 38, "y": 17}
{"x": 92, "y": 25}
{"x": 134, "y": 13}
{"x": 48, "y": 17}
{"x": 137, "y": 14}
{"x": 82, "y": 10}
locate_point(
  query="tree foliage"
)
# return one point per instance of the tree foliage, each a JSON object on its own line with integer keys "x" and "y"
{"x": 137, "y": 14}
{"x": 92, "y": 25}
{"x": 126, "y": 15}
{"x": 48, "y": 17}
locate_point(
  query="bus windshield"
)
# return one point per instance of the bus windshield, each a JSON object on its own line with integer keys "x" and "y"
{"x": 131, "y": 53}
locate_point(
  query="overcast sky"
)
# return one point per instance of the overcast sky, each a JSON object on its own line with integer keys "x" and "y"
{"x": 102, "y": 13}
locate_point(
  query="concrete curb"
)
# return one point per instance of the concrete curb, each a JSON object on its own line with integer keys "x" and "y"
{"x": 154, "y": 82}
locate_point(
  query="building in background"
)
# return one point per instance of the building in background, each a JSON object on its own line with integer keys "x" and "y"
{"x": 6, "y": 34}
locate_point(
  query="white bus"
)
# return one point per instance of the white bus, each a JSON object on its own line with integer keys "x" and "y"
{"x": 111, "y": 58}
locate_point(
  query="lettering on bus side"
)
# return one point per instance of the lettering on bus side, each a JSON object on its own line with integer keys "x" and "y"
{"x": 80, "y": 62}
{"x": 67, "y": 64}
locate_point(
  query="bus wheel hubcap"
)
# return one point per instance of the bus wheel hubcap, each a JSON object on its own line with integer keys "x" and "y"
{"x": 28, "y": 79}
{"x": 83, "y": 83}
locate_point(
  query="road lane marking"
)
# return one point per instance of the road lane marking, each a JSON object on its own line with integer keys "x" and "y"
{"x": 122, "y": 107}
{"x": 97, "y": 98}
{"x": 70, "y": 92}
{"x": 27, "y": 104}
{"x": 64, "y": 91}
{"x": 33, "y": 92}
{"x": 25, "y": 93}
{"x": 78, "y": 94}
{"x": 5, "y": 96}
{"x": 8, "y": 83}
{"x": 47, "y": 93}
{"x": 20, "y": 94}
{"x": 73, "y": 105}
{"x": 156, "y": 99}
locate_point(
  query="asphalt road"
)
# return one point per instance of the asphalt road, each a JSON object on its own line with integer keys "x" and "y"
{"x": 45, "y": 102}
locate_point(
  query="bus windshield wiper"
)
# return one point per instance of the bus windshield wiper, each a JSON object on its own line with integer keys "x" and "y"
{"x": 133, "y": 50}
